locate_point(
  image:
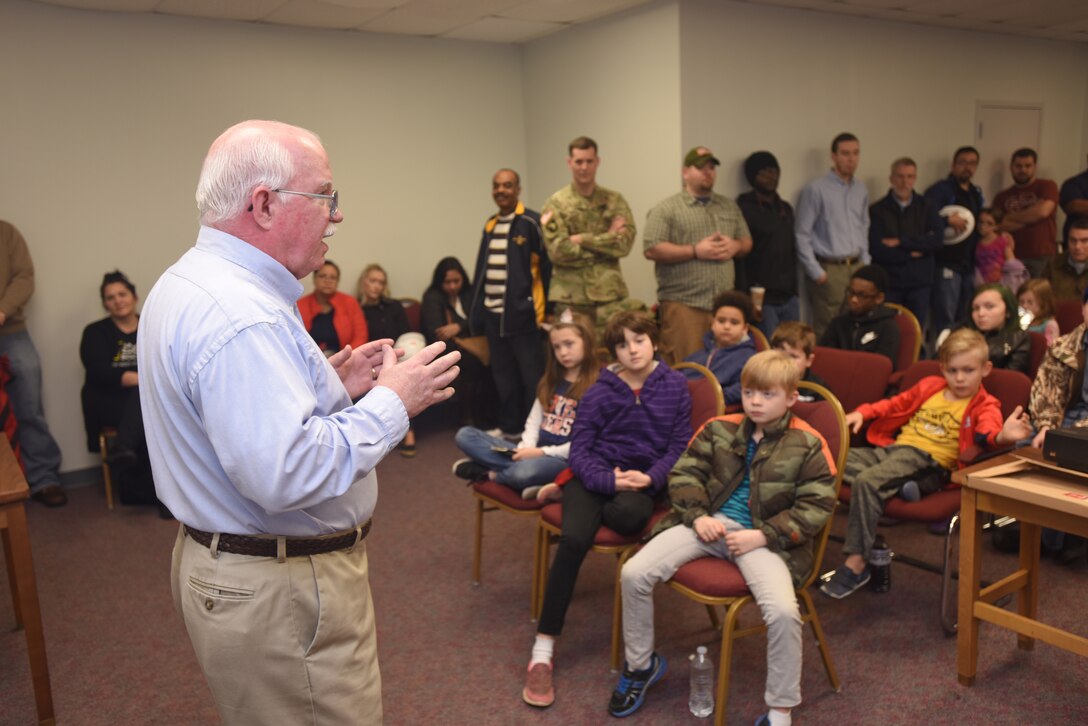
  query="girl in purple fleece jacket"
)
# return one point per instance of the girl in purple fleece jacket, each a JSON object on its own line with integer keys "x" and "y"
{"x": 632, "y": 426}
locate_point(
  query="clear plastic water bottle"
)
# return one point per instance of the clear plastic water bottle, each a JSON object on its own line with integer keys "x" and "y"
{"x": 701, "y": 700}
{"x": 880, "y": 566}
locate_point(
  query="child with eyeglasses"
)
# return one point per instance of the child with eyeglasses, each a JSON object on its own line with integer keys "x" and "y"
{"x": 867, "y": 325}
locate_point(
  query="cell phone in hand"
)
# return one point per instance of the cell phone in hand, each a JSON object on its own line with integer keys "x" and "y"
{"x": 502, "y": 451}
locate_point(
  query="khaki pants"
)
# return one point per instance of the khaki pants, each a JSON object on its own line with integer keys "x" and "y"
{"x": 288, "y": 642}
{"x": 682, "y": 330}
{"x": 827, "y": 299}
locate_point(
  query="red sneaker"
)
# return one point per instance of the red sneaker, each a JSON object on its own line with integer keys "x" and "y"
{"x": 538, "y": 689}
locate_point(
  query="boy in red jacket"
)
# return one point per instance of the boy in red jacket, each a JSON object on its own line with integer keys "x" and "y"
{"x": 918, "y": 437}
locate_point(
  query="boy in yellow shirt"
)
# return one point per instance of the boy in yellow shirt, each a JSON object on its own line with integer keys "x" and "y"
{"x": 918, "y": 437}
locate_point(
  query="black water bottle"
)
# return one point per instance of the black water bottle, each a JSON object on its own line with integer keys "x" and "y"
{"x": 880, "y": 566}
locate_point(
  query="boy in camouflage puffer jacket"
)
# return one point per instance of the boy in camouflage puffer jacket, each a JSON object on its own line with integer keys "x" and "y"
{"x": 752, "y": 488}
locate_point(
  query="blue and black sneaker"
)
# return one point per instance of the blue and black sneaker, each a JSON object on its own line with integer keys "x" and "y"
{"x": 631, "y": 691}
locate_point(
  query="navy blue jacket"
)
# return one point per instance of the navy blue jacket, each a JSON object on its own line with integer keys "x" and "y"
{"x": 724, "y": 363}
{"x": 528, "y": 272}
{"x": 919, "y": 228}
{"x": 947, "y": 191}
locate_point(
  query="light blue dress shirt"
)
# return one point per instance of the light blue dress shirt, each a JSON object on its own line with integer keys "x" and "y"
{"x": 832, "y": 222}
{"x": 249, "y": 428}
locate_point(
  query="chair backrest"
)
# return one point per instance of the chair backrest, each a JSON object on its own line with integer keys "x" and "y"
{"x": 855, "y": 377}
{"x": 910, "y": 337}
{"x": 1011, "y": 388}
{"x": 829, "y": 418}
{"x": 1069, "y": 314}
{"x": 759, "y": 339}
{"x": 1038, "y": 352}
{"x": 411, "y": 311}
{"x": 707, "y": 399}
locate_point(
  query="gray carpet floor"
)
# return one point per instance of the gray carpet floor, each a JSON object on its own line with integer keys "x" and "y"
{"x": 452, "y": 653}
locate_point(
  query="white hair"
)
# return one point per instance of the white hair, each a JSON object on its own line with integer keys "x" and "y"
{"x": 244, "y": 156}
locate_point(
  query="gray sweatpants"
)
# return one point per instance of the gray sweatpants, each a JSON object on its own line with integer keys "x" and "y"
{"x": 768, "y": 579}
{"x": 875, "y": 475}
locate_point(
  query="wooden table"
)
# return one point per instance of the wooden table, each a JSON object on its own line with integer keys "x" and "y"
{"x": 1018, "y": 485}
{"x": 24, "y": 589}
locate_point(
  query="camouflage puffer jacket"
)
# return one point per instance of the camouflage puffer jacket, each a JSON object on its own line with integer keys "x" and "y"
{"x": 792, "y": 483}
{"x": 1059, "y": 380}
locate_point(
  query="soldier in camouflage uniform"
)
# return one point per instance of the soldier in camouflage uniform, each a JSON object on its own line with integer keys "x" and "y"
{"x": 755, "y": 488}
{"x": 587, "y": 230}
{"x": 1058, "y": 397}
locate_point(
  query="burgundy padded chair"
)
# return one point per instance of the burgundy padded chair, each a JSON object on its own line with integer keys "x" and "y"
{"x": 910, "y": 343}
{"x": 707, "y": 402}
{"x": 1069, "y": 314}
{"x": 855, "y": 377}
{"x": 411, "y": 311}
{"x": 758, "y": 339}
{"x": 716, "y": 582}
{"x": 491, "y": 496}
{"x": 1012, "y": 389}
{"x": 1038, "y": 352}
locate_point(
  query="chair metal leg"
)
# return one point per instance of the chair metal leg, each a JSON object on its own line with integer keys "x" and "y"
{"x": 714, "y": 621}
{"x": 107, "y": 479}
{"x": 617, "y": 615}
{"x": 821, "y": 640}
{"x": 725, "y": 660}
{"x": 478, "y": 544}
{"x": 948, "y": 610}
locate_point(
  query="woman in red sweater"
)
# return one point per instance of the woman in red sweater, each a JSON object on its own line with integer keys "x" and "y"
{"x": 333, "y": 318}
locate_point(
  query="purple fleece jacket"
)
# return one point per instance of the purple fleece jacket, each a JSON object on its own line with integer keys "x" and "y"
{"x": 614, "y": 427}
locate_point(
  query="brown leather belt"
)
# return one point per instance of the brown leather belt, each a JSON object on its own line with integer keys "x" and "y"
{"x": 240, "y": 544}
{"x": 842, "y": 261}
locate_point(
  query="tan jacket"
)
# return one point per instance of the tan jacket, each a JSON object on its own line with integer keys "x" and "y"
{"x": 16, "y": 278}
{"x": 1059, "y": 380}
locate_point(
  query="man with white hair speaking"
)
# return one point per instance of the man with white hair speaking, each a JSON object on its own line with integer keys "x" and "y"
{"x": 257, "y": 447}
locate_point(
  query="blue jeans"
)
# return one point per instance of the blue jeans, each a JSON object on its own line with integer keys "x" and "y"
{"x": 515, "y": 474}
{"x": 952, "y": 292}
{"x": 775, "y": 314}
{"x": 41, "y": 455}
{"x": 915, "y": 299}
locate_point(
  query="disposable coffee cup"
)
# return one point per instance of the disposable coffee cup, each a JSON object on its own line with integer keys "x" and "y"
{"x": 757, "y": 296}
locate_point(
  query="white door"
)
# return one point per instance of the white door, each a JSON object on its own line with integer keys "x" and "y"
{"x": 1000, "y": 129}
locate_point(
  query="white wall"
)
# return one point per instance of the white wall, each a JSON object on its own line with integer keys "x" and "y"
{"x": 789, "y": 80}
{"x": 618, "y": 81}
{"x": 106, "y": 118}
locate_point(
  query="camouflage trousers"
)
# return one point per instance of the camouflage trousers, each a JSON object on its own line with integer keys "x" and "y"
{"x": 875, "y": 475}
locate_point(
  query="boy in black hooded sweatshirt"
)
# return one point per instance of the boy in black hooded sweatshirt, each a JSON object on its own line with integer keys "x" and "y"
{"x": 868, "y": 325}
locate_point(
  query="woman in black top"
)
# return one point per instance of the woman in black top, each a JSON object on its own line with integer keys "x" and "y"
{"x": 385, "y": 317}
{"x": 443, "y": 316}
{"x": 994, "y": 314}
{"x": 110, "y": 395}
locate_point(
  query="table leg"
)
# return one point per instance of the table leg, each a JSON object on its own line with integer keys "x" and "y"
{"x": 1028, "y": 600}
{"x": 19, "y": 541}
{"x": 970, "y": 574}
{"x": 13, "y": 584}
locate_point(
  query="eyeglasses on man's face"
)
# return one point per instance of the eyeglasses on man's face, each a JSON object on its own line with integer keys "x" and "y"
{"x": 860, "y": 295}
{"x": 334, "y": 198}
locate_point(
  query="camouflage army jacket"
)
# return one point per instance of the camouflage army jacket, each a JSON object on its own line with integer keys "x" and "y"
{"x": 586, "y": 273}
{"x": 792, "y": 483}
{"x": 1059, "y": 380}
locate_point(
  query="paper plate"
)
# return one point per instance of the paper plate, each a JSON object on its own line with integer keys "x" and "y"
{"x": 950, "y": 236}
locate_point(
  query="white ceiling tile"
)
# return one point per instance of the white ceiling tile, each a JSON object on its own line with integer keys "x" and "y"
{"x": 504, "y": 30}
{"x": 568, "y": 11}
{"x": 238, "y": 10}
{"x": 868, "y": 3}
{"x": 125, "y": 6}
{"x": 317, "y": 14}
{"x": 365, "y": 4}
{"x": 461, "y": 9}
{"x": 400, "y": 21}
